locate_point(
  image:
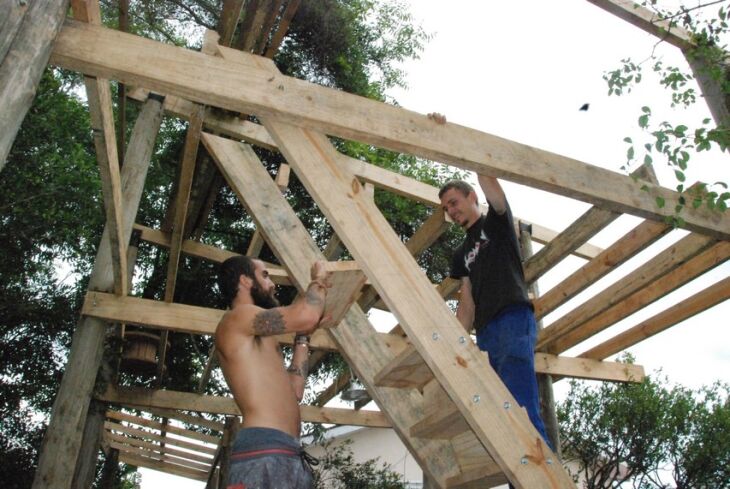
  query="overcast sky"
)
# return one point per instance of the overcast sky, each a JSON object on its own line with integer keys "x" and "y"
{"x": 521, "y": 69}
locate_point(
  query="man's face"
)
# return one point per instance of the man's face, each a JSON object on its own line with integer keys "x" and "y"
{"x": 462, "y": 209}
{"x": 263, "y": 290}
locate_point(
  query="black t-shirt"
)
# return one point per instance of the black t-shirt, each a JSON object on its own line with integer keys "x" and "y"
{"x": 490, "y": 257}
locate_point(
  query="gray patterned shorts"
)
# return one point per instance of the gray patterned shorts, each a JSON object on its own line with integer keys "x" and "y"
{"x": 265, "y": 458}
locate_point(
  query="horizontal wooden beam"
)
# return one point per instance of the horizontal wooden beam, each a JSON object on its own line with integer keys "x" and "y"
{"x": 220, "y": 82}
{"x": 161, "y": 457}
{"x": 156, "y": 447}
{"x": 147, "y": 435}
{"x": 147, "y": 398}
{"x": 643, "y": 296}
{"x": 709, "y": 297}
{"x": 137, "y": 461}
{"x": 149, "y": 423}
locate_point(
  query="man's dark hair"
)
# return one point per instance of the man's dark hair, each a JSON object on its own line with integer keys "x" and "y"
{"x": 459, "y": 185}
{"x": 229, "y": 274}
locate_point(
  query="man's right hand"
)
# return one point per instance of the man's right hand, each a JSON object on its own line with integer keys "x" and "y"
{"x": 319, "y": 273}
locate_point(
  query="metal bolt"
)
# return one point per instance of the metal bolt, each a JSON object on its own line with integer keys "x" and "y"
{"x": 549, "y": 461}
{"x": 435, "y": 336}
{"x": 462, "y": 340}
{"x": 523, "y": 461}
{"x": 476, "y": 398}
{"x": 507, "y": 405}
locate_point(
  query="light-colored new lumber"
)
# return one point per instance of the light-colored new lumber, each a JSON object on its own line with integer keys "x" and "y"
{"x": 399, "y": 184}
{"x": 257, "y": 240}
{"x": 355, "y": 337}
{"x": 168, "y": 468}
{"x": 347, "y": 280}
{"x": 187, "y": 418}
{"x": 707, "y": 298}
{"x": 431, "y": 326}
{"x": 194, "y": 248}
{"x": 215, "y": 81}
{"x": 63, "y": 436}
{"x": 99, "y": 99}
{"x": 180, "y": 318}
{"x": 644, "y": 296}
{"x": 629, "y": 245}
{"x": 26, "y": 37}
{"x": 149, "y": 398}
{"x": 654, "y": 269}
{"x": 442, "y": 419}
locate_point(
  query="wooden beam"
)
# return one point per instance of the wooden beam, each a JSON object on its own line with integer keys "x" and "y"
{"x": 147, "y": 435}
{"x": 380, "y": 177}
{"x": 215, "y": 81}
{"x": 228, "y": 20}
{"x": 347, "y": 280}
{"x": 355, "y": 336}
{"x": 180, "y": 318}
{"x": 707, "y": 298}
{"x": 580, "y": 231}
{"x": 187, "y": 418}
{"x": 154, "y": 447}
{"x": 431, "y": 326}
{"x": 27, "y": 33}
{"x": 63, "y": 436}
{"x": 99, "y": 99}
{"x": 629, "y": 245}
{"x": 207, "y": 252}
{"x": 653, "y": 270}
{"x": 644, "y": 296}
{"x": 147, "y": 398}
{"x": 257, "y": 240}
{"x": 286, "y": 19}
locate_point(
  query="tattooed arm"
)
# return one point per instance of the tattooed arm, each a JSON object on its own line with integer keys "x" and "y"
{"x": 299, "y": 367}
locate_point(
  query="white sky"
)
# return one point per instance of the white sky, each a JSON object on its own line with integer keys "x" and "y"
{"x": 521, "y": 69}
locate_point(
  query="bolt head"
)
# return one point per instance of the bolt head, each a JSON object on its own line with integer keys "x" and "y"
{"x": 435, "y": 336}
{"x": 476, "y": 398}
{"x": 507, "y": 405}
{"x": 523, "y": 461}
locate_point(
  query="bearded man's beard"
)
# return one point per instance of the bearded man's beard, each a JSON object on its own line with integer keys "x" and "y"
{"x": 263, "y": 299}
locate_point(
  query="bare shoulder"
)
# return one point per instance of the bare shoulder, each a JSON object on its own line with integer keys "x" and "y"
{"x": 237, "y": 320}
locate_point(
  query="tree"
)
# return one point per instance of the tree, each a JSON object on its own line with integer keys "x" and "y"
{"x": 675, "y": 143}
{"x": 337, "y": 469}
{"x": 636, "y": 434}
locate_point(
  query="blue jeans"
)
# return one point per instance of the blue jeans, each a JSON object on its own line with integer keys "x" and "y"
{"x": 509, "y": 340}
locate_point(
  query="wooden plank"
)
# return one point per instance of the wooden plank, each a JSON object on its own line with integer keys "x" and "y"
{"x": 148, "y": 435}
{"x": 442, "y": 419}
{"x": 355, "y": 337}
{"x": 207, "y": 252}
{"x": 63, "y": 435}
{"x": 257, "y": 240}
{"x": 629, "y": 245}
{"x": 380, "y": 177}
{"x": 148, "y": 398}
{"x": 215, "y": 81}
{"x": 187, "y": 418}
{"x": 644, "y": 296}
{"x": 161, "y": 466}
{"x": 707, "y": 298}
{"x": 99, "y": 99}
{"x": 161, "y": 456}
{"x": 272, "y": 14}
{"x": 180, "y": 318}
{"x": 135, "y": 442}
{"x": 653, "y": 270}
{"x": 26, "y": 37}
{"x": 429, "y": 323}
{"x": 475, "y": 470}
{"x": 228, "y": 20}
{"x": 347, "y": 280}
{"x": 138, "y": 420}
{"x": 580, "y": 231}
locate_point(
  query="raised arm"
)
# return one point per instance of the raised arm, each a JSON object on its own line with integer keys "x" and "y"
{"x": 465, "y": 309}
{"x": 494, "y": 193}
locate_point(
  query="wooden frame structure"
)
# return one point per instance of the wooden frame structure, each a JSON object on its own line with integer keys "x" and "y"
{"x": 432, "y": 384}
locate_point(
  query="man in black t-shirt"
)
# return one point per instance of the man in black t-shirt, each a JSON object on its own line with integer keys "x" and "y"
{"x": 493, "y": 296}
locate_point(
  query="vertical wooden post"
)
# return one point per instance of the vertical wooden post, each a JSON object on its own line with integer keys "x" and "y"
{"x": 62, "y": 442}
{"x": 26, "y": 38}
{"x": 544, "y": 381}
{"x": 229, "y": 436}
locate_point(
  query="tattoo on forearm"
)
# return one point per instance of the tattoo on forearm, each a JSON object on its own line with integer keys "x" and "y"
{"x": 314, "y": 296}
{"x": 267, "y": 323}
{"x": 300, "y": 370}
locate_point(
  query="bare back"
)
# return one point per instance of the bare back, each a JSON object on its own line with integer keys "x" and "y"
{"x": 254, "y": 369}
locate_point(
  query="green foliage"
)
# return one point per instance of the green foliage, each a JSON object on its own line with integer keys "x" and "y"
{"x": 635, "y": 433}
{"x": 338, "y": 469}
{"x": 674, "y": 144}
